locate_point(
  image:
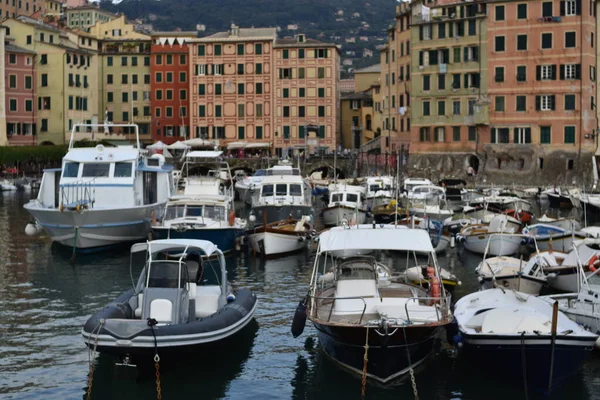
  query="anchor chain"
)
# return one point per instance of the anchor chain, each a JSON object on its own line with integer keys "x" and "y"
{"x": 410, "y": 368}
{"x": 151, "y": 323}
{"x": 363, "y": 389}
{"x": 91, "y": 357}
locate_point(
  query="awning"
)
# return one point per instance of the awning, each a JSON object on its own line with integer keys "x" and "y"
{"x": 365, "y": 237}
{"x": 258, "y": 145}
{"x": 178, "y": 146}
{"x": 236, "y": 145}
{"x": 204, "y": 154}
{"x": 157, "y": 146}
{"x": 197, "y": 142}
{"x": 245, "y": 145}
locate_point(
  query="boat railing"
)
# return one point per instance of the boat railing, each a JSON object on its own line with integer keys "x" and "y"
{"x": 441, "y": 313}
{"x": 340, "y": 298}
{"x": 78, "y": 195}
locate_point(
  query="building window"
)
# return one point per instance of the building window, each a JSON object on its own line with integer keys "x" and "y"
{"x": 217, "y": 48}
{"x": 286, "y": 93}
{"x": 169, "y": 94}
{"x": 499, "y": 74}
{"x": 44, "y": 127}
{"x": 472, "y": 106}
{"x": 441, "y": 107}
{"x": 28, "y": 105}
{"x": 522, "y": 11}
{"x": 202, "y": 111}
{"x": 546, "y": 72}
{"x": 240, "y": 110}
{"x": 12, "y": 105}
{"x": 547, "y": 10}
{"x": 240, "y": 69}
{"x": 570, "y": 8}
{"x": 426, "y": 108}
{"x": 441, "y": 81}
{"x": 301, "y": 111}
{"x": 546, "y": 40}
{"x": 571, "y": 71}
{"x": 456, "y": 133}
{"x": 286, "y": 111}
{"x": 240, "y": 88}
{"x": 109, "y": 97}
{"x": 125, "y": 97}
{"x": 218, "y": 88}
{"x": 500, "y": 135}
{"x": 499, "y": 43}
{"x": 545, "y": 103}
{"x": 521, "y": 73}
{"x": 169, "y": 59}
{"x": 522, "y": 135}
{"x": 182, "y": 59}
{"x": 455, "y": 81}
{"x": 320, "y": 72}
{"x": 12, "y": 81}
{"x": 285, "y": 73}
{"x": 241, "y": 132}
{"x": 200, "y": 69}
{"x": 134, "y": 80}
{"x": 456, "y": 107}
{"x": 158, "y": 59}
{"x": 569, "y": 102}
{"x": 259, "y": 108}
{"x": 259, "y": 88}
{"x": 124, "y": 79}
{"x": 321, "y": 92}
{"x": 426, "y": 82}
{"x": 521, "y": 103}
{"x": 499, "y": 13}
{"x": 545, "y": 134}
{"x": 12, "y": 58}
{"x": 569, "y": 134}
{"x": 240, "y": 49}
{"x": 218, "y": 69}
{"x": 29, "y": 39}
{"x": 424, "y": 134}
{"x": 301, "y": 92}
{"x": 258, "y": 69}
{"x": 159, "y": 95}
{"x": 521, "y": 42}
{"x": 182, "y": 77}
{"x": 321, "y": 111}
{"x": 169, "y": 112}
{"x": 570, "y": 40}
{"x": 218, "y": 111}
{"x": 44, "y": 80}
{"x": 258, "y": 48}
{"x": 158, "y": 77}
{"x": 499, "y": 104}
{"x": 44, "y": 59}
{"x": 285, "y": 54}
{"x": 123, "y": 61}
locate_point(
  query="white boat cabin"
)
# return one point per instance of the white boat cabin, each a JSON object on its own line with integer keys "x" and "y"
{"x": 105, "y": 177}
{"x": 379, "y": 186}
{"x": 411, "y": 183}
{"x": 345, "y": 195}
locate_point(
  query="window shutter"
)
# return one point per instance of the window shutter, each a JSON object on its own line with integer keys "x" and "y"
{"x": 553, "y": 72}
{"x": 420, "y": 32}
{"x": 578, "y": 71}
{"x": 538, "y": 103}
{"x": 466, "y": 53}
{"x": 577, "y": 7}
{"x": 527, "y": 135}
{"x": 562, "y": 72}
{"x": 562, "y": 8}
{"x": 420, "y": 58}
{"x": 466, "y": 85}
{"x": 515, "y": 135}
{"x": 538, "y": 72}
{"x": 553, "y": 102}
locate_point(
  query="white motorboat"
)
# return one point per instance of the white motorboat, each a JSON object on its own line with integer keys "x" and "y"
{"x": 248, "y": 187}
{"x": 172, "y": 310}
{"x": 552, "y": 237}
{"x": 440, "y": 239}
{"x": 426, "y": 193}
{"x": 570, "y": 224}
{"x": 399, "y": 322}
{"x": 283, "y": 195}
{"x": 345, "y": 204}
{"x": 410, "y": 183}
{"x": 512, "y": 273}
{"x": 495, "y": 238}
{"x": 496, "y": 201}
{"x": 512, "y": 334}
{"x": 101, "y": 196}
{"x": 562, "y": 268}
{"x": 279, "y": 238}
{"x": 379, "y": 190}
{"x": 7, "y": 185}
{"x": 582, "y": 306}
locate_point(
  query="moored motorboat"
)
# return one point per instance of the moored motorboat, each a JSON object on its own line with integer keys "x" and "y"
{"x": 248, "y": 187}
{"x": 496, "y": 238}
{"x": 345, "y": 203}
{"x": 171, "y": 309}
{"x": 379, "y": 190}
{"x": 562, "y": 269}
{"x": 512, "y": 333}
{"x": 552, "y": 237}
{"x": 281, "y": 237}
{"x": 399, "y": 322}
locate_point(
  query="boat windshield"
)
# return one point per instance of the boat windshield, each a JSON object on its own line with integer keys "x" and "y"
{"x": 352, "y": 197}
{"x": 374, "y": 188}
{"x": 165, "y": 274}
{"x": 260, "y": 172}
{"x": 357, "y": 269}
{"x": 193, "y": 211}
{"x": 71, "y": 170}
{"x": 281, "y": 189}
{"x": 214, "y": 212}
{"x": 267, "y": 190}
{"x": 175, "y": 212}
{"x": 336, "y": 197}
{"x": 295, "y": 190}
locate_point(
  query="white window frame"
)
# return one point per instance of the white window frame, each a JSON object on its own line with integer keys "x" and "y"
{"x": 426, "y": 32}
{"x": 440, "y": 134}
{"x": 355, "y": 104}
{"x": 570, "y": 8}
{"x": 218, "y": 69}
{"x": 521, "y": 135}
{"x": 545, "y": 103}
{"x": 202, "y": 69}
{"x": 570, "y": 71}
{"x": 546, "y": 73}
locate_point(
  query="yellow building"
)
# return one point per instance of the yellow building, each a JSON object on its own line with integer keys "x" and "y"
{"x": 356, "y": 110}
{"x": 85, "y": 17}
{"x": 366, "y": 77}
{"x": 66, "y": 86}
{"x": 124, "y": 71}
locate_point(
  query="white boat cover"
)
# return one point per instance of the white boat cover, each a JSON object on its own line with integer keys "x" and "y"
{"x": 365, "y": 237}
{"x": 178, "y": 146}
{"x": 204, "y": 154}
{"x": 155, "y": 246}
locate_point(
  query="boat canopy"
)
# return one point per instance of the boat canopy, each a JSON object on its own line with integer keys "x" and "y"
{"x": 204, "y": 154}
{"x": 382, "y": 237}
{"x": 155, "y": 246}
{"x": 245, "y": 145}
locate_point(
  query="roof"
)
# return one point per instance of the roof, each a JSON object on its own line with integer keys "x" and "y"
{"x": 92, "y": 8}
{"x": 382, "y": 237}
{"x": 369, "y": 69}
{"x": 293, "y": 42}
{"x": 357, "y": 96}
{"x": 173, "y": 34}
{"x": 243, "y": 33}
{"x": 30, "y": 21}
{"x": 11, "y": 48}
{"x": 156, "y": 246}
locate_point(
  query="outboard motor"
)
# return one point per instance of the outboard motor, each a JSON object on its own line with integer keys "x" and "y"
{"x": 299, "y": 321}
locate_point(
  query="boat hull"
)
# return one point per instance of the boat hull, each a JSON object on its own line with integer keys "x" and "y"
{"x": 564, "y": 279}
{"x": 273, "y": 213}
{"x": 556, "y": 200}
{"x": 562, "y": 243}
{"x": 185, "y": 337}
{"x": 584, "y": 313}
{"x": 96, "y": 228}
{"x": 500, "y": 245}
{"x": 388, "y": 362}
{"x": 224, "y": 238}
{"x": 333, "y": 216}
{"x": 275, "y": 244}
{"x": 506, "y": 354}
{"x": 518, "y": 282}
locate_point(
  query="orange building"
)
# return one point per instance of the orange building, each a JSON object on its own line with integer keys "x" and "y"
{"x": 20, "y": 85}
{"x": 169, "y": 72}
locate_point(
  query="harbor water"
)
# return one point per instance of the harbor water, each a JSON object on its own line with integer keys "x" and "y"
{"x": 45, "y": 300}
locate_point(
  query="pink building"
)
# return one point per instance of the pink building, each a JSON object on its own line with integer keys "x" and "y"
{"x": 542, "y": 77}
{"x": 20, "y": 87}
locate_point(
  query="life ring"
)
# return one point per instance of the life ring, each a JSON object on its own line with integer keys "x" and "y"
{"x": 591, "y": 264}
{"x": 231, "y": 218}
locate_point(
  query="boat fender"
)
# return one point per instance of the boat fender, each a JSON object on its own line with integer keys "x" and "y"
{"x": 299, "y": 321}
{"x": 593, "y": 263}
{"x": 435, "y": 286}
{"x": 231, "y": 218}
{"x": 154, "y": 217}
{"x": 231, "y": 298}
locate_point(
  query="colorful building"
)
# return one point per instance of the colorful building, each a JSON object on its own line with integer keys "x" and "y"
{"x": 356, "y": 115}
{"x": 306, "y": 95}
{"x": 84, "y": 17}
{"x": 449, "y": 77}
{"x": 170, "y": 82}
{"x": 124, "y": 68}
{"x": 20, "y": 98}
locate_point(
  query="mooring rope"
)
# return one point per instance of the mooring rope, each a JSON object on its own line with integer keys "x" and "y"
{"x": 91, "y": 357}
